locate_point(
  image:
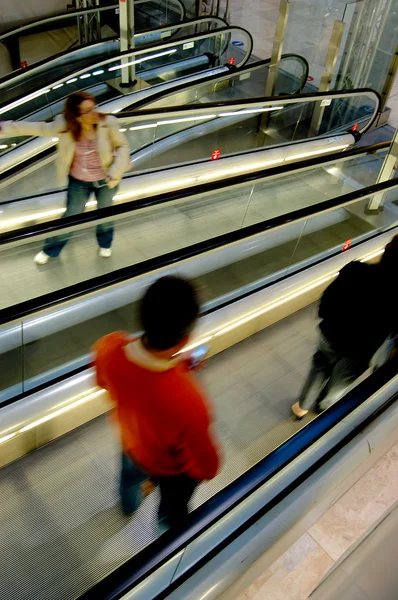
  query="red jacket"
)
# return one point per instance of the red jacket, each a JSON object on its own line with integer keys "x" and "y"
{"x": 162, "y": 412}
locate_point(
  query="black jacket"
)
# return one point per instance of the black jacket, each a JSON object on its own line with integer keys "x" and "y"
{"x": 357, "y": 310}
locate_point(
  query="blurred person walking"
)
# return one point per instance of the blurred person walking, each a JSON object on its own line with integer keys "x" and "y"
{"x": 92, "y": 156}
{"x": 359, "y": 316}
{"x": 162, "y": 411}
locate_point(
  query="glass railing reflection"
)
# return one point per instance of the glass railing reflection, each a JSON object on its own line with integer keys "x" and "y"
{"x": 43, "y": 346}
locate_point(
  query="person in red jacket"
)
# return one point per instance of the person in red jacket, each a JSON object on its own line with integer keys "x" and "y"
{"x": 162, "y": 411}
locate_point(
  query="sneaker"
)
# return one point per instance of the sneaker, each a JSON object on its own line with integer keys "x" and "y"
{"x": 105, "y": 252}
{"x": 41, "y": 258}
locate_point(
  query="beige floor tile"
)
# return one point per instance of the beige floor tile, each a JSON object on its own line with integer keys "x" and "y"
{"x": 253, "y": 589}
{"x": 292, "y": 558}
{"x": 338, "y": 529}
{"x": 376, "y": 491}
{"x": 299, "y": 583}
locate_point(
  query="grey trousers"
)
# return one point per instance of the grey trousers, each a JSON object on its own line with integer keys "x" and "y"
{"x": 330, "y": 374}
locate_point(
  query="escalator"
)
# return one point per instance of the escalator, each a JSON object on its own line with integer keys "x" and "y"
{"x": 201, "y": 42}
{"x": 60, "y": 516}
{"x": 172, "y": 148}
{"x": 223, "y": 83}
{"x": 43, "y": 38}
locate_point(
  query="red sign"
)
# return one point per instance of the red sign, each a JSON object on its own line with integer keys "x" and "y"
{"x": 346, "y": 245}
{"x": 231, "y": 61}
{"x": 24, "y": 64}
{"x": 215, "y": 155}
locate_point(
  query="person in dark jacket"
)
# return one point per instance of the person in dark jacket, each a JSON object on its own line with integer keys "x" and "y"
{"x": 358, "y": 314}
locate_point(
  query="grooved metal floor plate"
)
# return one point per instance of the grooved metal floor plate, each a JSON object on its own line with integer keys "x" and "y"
{"x": 61, "y": 528}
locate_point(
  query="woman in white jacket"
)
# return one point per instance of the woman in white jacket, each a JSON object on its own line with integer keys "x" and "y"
{"x": 92, "y": 157}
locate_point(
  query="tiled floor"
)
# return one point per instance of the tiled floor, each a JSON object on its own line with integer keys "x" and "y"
{"x": 368, "y": 570}
{"x": 299, "y": 570}
{"x": 148, "y": 234}
{"x": 60, "y": 523}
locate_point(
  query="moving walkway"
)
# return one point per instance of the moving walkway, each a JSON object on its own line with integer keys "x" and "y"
{"x": 192, "y": 47}
{"x": 173, "y": 148}
{"x": 256, "y": 281}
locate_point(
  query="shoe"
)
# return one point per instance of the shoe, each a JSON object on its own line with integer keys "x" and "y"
{"x": 105, "y": 252}
{"x": 147, "y": 487}
{"x": 298, "y": 412}
{"x": 41, "y": 258}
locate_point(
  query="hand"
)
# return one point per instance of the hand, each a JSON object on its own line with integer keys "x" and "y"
{"x": 111, "y": 183}
{"x": 194, "y": 365}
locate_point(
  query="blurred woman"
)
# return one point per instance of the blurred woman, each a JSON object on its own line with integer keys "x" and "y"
{"x": 92, "y": 157}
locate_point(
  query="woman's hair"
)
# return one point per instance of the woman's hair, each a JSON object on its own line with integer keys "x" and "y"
{"x": 72, "y": 112}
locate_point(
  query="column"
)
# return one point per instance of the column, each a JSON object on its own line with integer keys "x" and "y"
{"x": 126, "y": 20}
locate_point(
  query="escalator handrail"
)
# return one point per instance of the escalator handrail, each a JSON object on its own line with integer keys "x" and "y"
{"x": 179, "y": 2}
{"x": 72, "y": 292}
{"x": 156, "y": 554}
{"x": 46, "y": 63}
{"x": 257, "y": 65}
{"x": 171, "y": 197}
{"x": 176, "y": 88}
{"x": 182, "y": 86}
{"x": 143, "y": 114}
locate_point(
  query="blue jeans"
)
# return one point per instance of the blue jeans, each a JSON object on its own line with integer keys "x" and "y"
{"x": 175, "y": 493}
{"x": 330, "y": 374}
{"x": 77, "y": 196}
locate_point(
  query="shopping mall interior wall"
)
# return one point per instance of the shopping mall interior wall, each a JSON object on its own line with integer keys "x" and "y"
{"x": 18, "y": 12}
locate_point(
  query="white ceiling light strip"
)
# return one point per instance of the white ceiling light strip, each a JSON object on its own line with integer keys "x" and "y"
{"x": 186, "y": 119}
{"x": 157, "y": 188}
{"x": 315, "y": 152}
{"x": 203, "y": 117}
{"x": 250, "y": 111}
{"x": 21, "y": 101}
{"x": 140, "y": 60}
{"x": 219, "y": 174}
{"x": 39, "y": 93}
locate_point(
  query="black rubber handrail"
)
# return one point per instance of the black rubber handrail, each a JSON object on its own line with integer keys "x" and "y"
{"x": 147, "y": 561}
{"x": 316, "y": 96}
{"x": 160, "y": 94}
{"x": 97, "y": 283}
